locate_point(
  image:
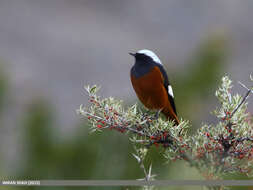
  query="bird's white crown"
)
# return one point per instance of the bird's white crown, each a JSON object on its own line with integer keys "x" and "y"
{"x": 150, "y": 54}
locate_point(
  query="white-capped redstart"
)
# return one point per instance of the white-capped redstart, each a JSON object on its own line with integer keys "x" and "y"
{"x": 151, "y": 84}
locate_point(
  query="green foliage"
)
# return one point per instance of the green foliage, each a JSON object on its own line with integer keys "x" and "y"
{"x": 50, "y": 157}
{"x": 3, "y": 86}
{"x": 195, "y": 81}
{"x": 82, "y": 156}
{"x": 38, "y": 138}
{"x": 3, "y": 95}
{"x": 206, "y": 66}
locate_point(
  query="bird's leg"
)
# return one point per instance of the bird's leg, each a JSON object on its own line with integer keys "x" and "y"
{"x": 157, "y": 114}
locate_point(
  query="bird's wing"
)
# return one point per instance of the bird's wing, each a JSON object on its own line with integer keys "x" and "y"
{"x": 168, "y": 87}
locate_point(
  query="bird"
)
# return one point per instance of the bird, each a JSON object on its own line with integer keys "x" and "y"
{"x": 151, "y": 84}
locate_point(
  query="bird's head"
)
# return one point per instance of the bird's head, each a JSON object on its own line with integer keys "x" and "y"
{"x": 145, "y": 56}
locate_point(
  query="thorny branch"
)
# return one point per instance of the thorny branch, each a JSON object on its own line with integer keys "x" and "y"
{"x": 229, "y": 142}
{"x": 140, "y": 156}
{"x": 243, "y": 100}
{"x": 210, "y": 147}
{"x": 160, "y": 137}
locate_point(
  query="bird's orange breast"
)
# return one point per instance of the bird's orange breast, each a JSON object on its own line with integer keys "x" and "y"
{"x": 150, "y": 89}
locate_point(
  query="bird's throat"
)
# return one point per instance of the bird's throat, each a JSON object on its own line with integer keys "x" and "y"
{"x": 140, "y": 69}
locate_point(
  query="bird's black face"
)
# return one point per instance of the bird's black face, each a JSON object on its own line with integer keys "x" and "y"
{"x": 144, "y": 62}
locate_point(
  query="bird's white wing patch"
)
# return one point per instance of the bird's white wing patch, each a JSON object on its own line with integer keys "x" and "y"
{"x": 170, "y": 91}
{"x": 150, "y": 54}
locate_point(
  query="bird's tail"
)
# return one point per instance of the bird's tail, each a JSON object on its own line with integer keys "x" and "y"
{"x": 170, "y": 114}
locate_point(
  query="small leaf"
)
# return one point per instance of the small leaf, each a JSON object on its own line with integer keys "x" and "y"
{"x": 93, "y": 89}
{"x": 134, "y": 109}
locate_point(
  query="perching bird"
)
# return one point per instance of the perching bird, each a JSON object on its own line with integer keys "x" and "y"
{"x": 151, "y": 84}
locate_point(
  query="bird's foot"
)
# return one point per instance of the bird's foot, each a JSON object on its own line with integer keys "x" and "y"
{"x": 157, "y": 114}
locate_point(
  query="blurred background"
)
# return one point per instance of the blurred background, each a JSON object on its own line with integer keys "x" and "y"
{"x": 50, "y": 49}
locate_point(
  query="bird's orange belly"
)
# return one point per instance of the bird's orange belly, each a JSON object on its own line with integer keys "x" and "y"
{"x": 150, "y": 90}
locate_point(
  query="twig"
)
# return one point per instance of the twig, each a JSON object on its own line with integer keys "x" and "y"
{"x": 118, "y": 126}
{"x": 243, "y": 100}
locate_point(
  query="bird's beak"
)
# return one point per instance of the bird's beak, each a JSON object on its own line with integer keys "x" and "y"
{"x": 133, "y": 54}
